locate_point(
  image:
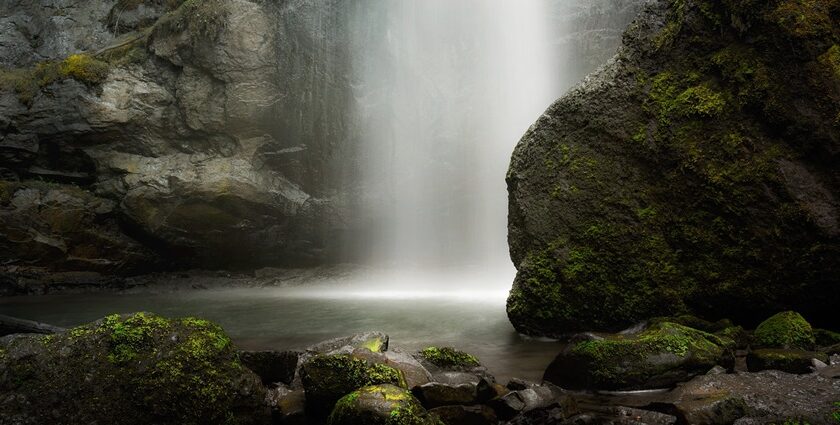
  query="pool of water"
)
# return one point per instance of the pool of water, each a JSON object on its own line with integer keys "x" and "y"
{"x": 293, "y": 318}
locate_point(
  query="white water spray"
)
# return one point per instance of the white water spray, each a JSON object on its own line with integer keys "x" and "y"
{"x": 444, "y": 90}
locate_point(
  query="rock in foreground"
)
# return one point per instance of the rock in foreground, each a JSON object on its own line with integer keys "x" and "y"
{"x": 128, "y": 370}
{"x": 381, "y": 405}
{"x": 660, "y": 356}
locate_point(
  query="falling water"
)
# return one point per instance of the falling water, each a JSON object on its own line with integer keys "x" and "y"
{"x": 444, "y": 90}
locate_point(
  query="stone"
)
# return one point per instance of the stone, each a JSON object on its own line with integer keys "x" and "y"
{"x": 327, "y": 378}
{"x": 660, "y": 356}
{"x": 785, "y": 330}
{"x": 380, "y": 405}
{"x": 629, "y": 198}
{"x": 791, "y": 361}
{"x": 288, "y": 406}
{"x": 271, "y": 366}
{"x": 129, "y": 369}
{"x": 465, "y": 415}
{"x": 436, "y": 394}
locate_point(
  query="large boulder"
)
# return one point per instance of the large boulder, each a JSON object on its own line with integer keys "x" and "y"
{"x": 692, "y": 173}
{"x": 660, "y": 356}
{"x": 131, "y": 369}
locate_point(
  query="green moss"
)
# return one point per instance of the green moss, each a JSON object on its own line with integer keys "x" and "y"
{"x": 327, "y": 378}
{"x": 448, "y": 357}
{"x": 141, "y": 368}
{"x": 785, "y": 330}
{"x": 380, "y": 405}
{"x": 831, "y": 60}
{"x": 804, "y": 18}
{"x": 623, "y": 361}
{"x": 28, "y": 82}
{"x": 825, "y": 337}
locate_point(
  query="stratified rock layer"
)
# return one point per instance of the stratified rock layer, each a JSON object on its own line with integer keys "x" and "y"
{"x": 693, "y": 173}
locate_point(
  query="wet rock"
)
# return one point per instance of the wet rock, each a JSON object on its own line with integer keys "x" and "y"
{"x": 61, "y": 226}
{"x": 376, "y": 342}
{"x": 791, "y": 361}
{"x": 465, "y": 415}
{"x": 712, "y": 408}
{"x": 785, "y": 330}
{"x": 288, "y": 406}
{"x": 13, "y": 325}
{"x": 620, "y": 416}
{"x": 436, "y": 394}
{"x": 380, "y": 405}
{"x": 449, "y": 358}
{"x": 271, "y": 366}
{"x": 131, "y": 369}
{"x": 513, "y": 403}
{"x": 608, "y": 209}
{"x": 825, "y": 338}
{"x": 660, "y": 356}
{"x": 327, "y": 378}
{"x": 769, "y": 397}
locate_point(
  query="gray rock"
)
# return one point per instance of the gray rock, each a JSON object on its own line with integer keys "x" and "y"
{"x": 436, "y": 394}
{"x": 465, "y": 415}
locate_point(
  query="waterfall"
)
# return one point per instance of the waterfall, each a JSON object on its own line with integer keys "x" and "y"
{"x": 444, "y": 90}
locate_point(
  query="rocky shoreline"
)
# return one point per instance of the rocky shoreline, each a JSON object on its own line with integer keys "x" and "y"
{"x": 143, "y": 368}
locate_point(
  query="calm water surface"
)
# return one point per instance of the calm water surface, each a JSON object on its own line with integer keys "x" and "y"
{"x": 286, "y": 318}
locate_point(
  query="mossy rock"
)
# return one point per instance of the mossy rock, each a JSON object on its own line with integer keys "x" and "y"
{"x": 660, "y": 356}
{"x": 696, "y": 322}
{"x": 130, "y": 369}
{"x": 683, "y": 177}
{"x": 825, "y": 337}
{"x": 737, "y": 334}
{"x": 327, "y": 378}
{"x": 785, "y": 330}
{"x": 381, "y": 405}
{"x": 448, "y": 357}
{"x": 785, "y": 360}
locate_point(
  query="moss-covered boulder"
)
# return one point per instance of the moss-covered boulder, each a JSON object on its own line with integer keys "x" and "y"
{"x": 660, "y": 356}
{"x": 448, "y": 357}
{"x": 327, "y": 378}
{"x": 786, "y": 360}
{"x": 692, "y": 174}
{"x": 785, "y": 330}
{"x": 131, "y": 369}
{"x": 381, "y": 405}
{"x": 825, "y": 337}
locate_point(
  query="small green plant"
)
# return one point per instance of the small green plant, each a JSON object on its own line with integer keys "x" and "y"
{"x": 835, "y": 412}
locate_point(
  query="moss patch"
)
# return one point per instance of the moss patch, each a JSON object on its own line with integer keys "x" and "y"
{"x": 327, "y": 378}
{"x": 785, "y": 330}
{"x": 661, "y": 355}
{"x": 134, "y": 369}
{"x": 448, "y": 357}
{"x": 28, "y": 82}
{"x": 380, "y": 405}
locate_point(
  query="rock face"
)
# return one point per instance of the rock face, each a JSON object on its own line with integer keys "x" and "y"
{"x": 132, "y": 369}
{"x": 161, "y": 139}
{"x": 693, "y": 173}
{"x": 214, "y": 134}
